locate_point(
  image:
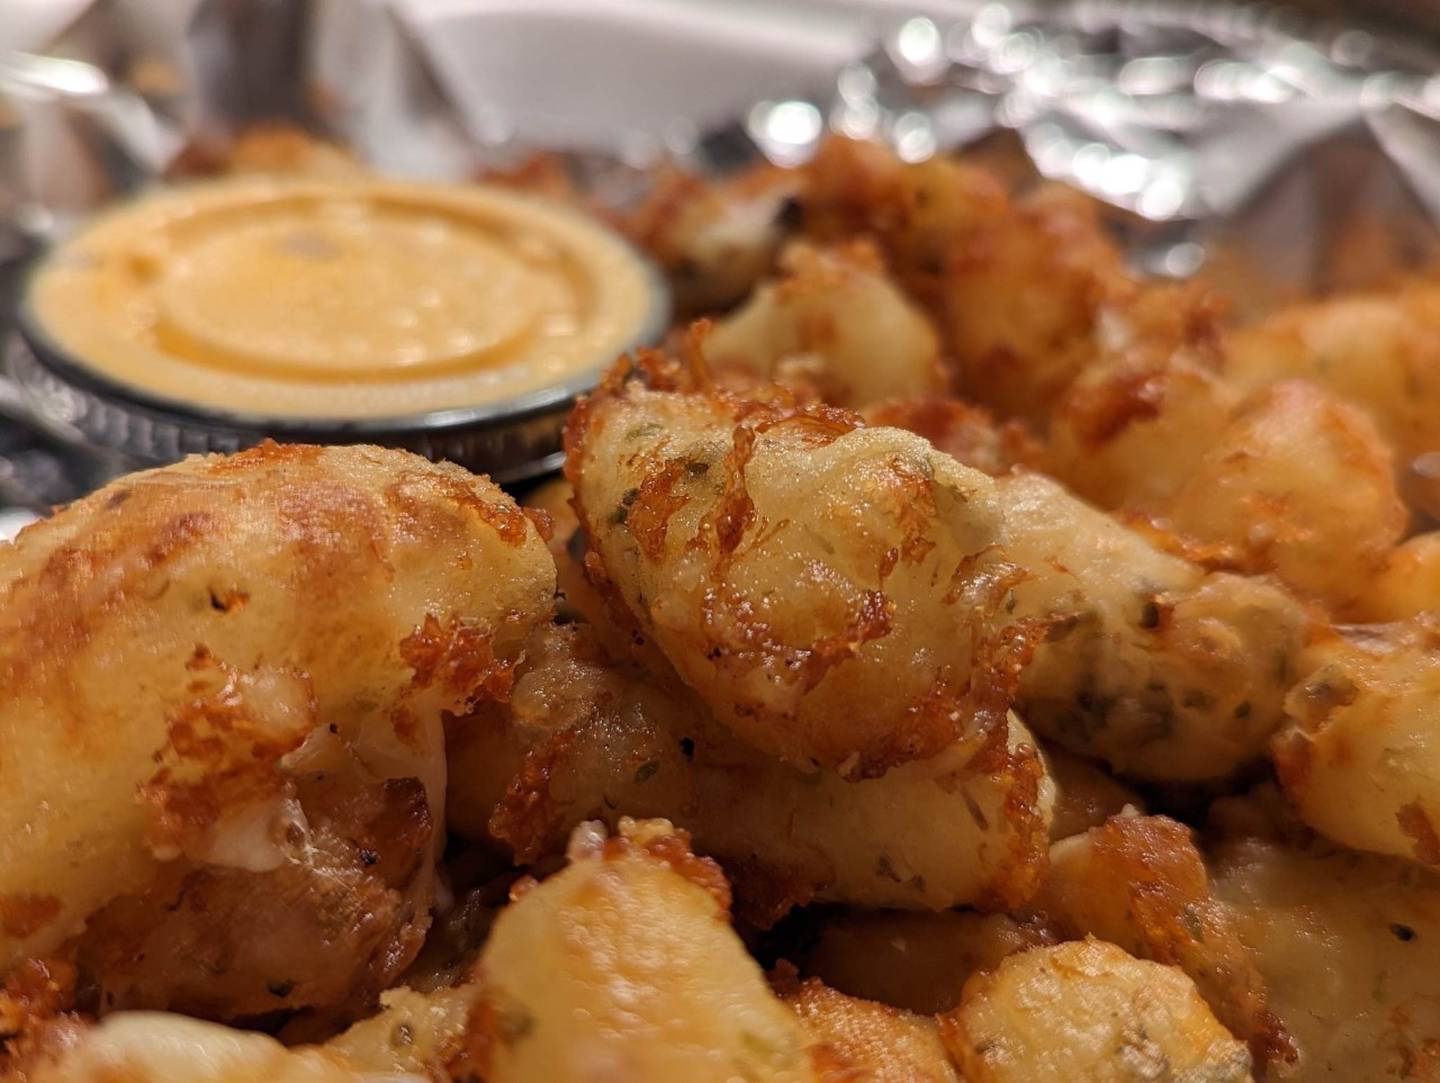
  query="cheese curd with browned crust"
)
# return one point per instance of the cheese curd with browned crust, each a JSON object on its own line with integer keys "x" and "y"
{"x": 939, "y": 663}
{"x": 224, "y": 769}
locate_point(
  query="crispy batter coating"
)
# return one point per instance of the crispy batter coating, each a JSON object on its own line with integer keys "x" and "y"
{"x": 624, "y": 966}
{"x": 1299, "y": 484}
{"x": 157, "y": 1047}
{"x": 836, "y": 318}
{"x": 1136, "y": 420}
{"x": 1378, "y": 351}
{"x": 1016, "y": 288}
{"x": 884, "y": 1044}
{"x": 919, "y": 962}
{"x": 1361, "y": 761}
{"x": 1139, "y": 882}
{"x": 414, "y": 1037}
{"x": 246, "y": 698}
{"x": 1149, "y": 663}
{"x": 965, "y": 432}
{"x": 582, "y": 739}
{"x": 1408, "y": 584}
{"x": 1087, "y": 1010}
{"x": 1349, "y": 946}
{"x": 222, "y": 723}
{"x": 37, "y": 1016}
{"x": 1146, "y": 661}
{"x": 1132, "y": 380}
{"x": 791, "y": 564}
{"x": 420, "y": 1033}
{"x": 715, "y": 240}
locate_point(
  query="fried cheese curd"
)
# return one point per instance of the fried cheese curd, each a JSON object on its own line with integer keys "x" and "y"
{"x": 1348, "y": 945}
{"x": 733, "y": 528}
{"x": 1360, "y": 761}
{"x": 1408, "y": 584}
{"x": 224, "y": 772}
{"x": 1087, "y": 1010}
{"x": 624, "y": 966}
{"x": 874, "y": 645}
{"x": 1291, "y": 480}
{"x": 1148, "y": 662}
{"x": 1139, "y": 882}
{"x": 1146, "y": 399}
{"x": 792, "y": 565}
{"x": 1377, "y": 350}
{"x": 580, "y": 738}
{"x": 1301, "y": 485}
{"x": 833, "y": 315}
{"x": 1015, "y": 286}
{"x": 1149, "y": 400}
{"x": 895, "y": 1046}
{"x": 714, "y": 240}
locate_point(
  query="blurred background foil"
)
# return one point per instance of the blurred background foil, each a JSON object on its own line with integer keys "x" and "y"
{"x": 1283, "y": 153}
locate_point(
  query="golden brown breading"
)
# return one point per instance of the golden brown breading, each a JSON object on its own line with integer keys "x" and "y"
{"x": 1408, "y": 584}
{"x": 37, "y": 1016}
{"x": 967, "y": 433}
{"x": 624, "y": 966}
{"x": 223, "y": 750}
{"x": 791, "y": 564}
{"x": 1139, "y": 415}
{"x": 714, "y": 240}
{"x": 882, "y": 1044}
{"x": 1087, "y": 1010}
{"x": 581, "y": 738}
{"x": 1361, "y": 761}
{"x": 764, "y": 552}
{"x": 157, "y": 1047}
{"x": 1139, "y": 882}
{"x": 1349, "y": 946}
{"x": 1298, "y": 484}
{"x": 1149, "y": 664}
{"x": 1376, "y": 350}
{"x": 1015, "y": 288}
{"x": 837, "y": 319}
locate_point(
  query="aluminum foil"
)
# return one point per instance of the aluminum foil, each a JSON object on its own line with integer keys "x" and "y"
{"x": 1281, "y": 155}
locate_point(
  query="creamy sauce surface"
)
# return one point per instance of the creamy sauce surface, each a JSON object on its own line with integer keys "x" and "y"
{"x": 338, "y": 300}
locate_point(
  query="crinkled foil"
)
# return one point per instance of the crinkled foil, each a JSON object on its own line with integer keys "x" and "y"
{"x": 1281, "y": 155}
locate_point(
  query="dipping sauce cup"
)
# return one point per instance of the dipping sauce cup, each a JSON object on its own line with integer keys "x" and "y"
{"x": 456, "y": 320}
